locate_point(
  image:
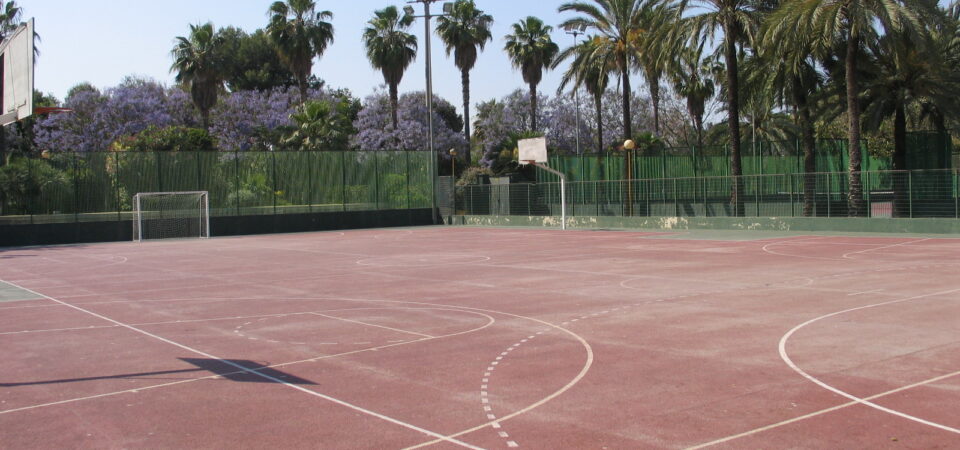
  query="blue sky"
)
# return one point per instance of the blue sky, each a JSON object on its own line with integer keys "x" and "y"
{"x": 103, "y": 41}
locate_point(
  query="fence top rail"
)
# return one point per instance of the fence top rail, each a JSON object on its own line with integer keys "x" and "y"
{"x": 172, "y": 193}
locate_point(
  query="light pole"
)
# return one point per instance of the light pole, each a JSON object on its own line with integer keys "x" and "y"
{"x": 453, "y": 164}
{"x": 447, "y": 7}
{"x": 576, "y": 30}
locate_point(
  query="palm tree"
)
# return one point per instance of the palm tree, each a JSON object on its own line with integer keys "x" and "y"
{"x": 299, "y": 33}
{"x": 591, "y": 68}
{"x": 691, "y": 77}
{"x": 737, "y": 20}
{"x": 9, "y": 18}
{"x": 531, "y": 50}
{"x": 197, "y": 61}
{"x": 901, "y": 77}
{"x": 653, "y": 40}
{"x": 616, "y": 23}
{"x": 849, "y": 24}
{"x": 319, "y": 125}
{"x": 390, "y": 48}
{"x": 465, "y": 32}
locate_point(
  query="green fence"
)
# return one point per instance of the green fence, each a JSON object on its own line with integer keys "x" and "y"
{"x": 98, "y": 186}
{"x": 926, "y": 151}
{"x": 922, "y": 193}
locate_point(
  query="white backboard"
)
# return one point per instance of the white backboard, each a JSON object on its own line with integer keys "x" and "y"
{"x": 17, "y": 59}
{"x": 533, "y": 149}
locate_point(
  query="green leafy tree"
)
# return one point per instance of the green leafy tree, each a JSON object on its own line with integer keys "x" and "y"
{"x": 253, "y": 63}
{"x": 465, "y": 32}
{"x": 736, "y": 21}
{"x": 850, "y": 25}
{"x": 616, "y": 23}
{"x": 590, "y": 68}
{"x": 299, "y": 33}
{"x": 197, "y": 61}
{"x": 391, "y": 49}
{"x": 691, "y": 76}
{"x": 531, "y": 50}
{"x": 168, "y": 139}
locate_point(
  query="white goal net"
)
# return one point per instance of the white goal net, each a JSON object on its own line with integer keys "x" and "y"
{"x": 171, "y": 215}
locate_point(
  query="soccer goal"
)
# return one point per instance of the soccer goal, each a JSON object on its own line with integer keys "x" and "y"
{"x": 171, "y": 215}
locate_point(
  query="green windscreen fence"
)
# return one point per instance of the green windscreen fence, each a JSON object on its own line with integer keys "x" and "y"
{"x": 886, "y": 194}
{"x": 926, "y": 151}
{"x": 97, "y": 186}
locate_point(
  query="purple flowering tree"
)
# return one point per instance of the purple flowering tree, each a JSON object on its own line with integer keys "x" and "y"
{"x": 375, "y": 129}
{"x": 245, "y": 120}
{"x": 499, "y": 120}
{"x": 99, "y": 119}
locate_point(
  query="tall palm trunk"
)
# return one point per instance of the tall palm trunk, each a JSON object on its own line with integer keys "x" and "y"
{"x": 465, "y": 82}
{"x": 533, "y": 106}
{"x": 900, "y": 189}
{"x": 394, "y": 105}
{"x": 654, "y": 81}
{"x": 733, "y": 120}
{"x": 625, "y": 71}
{"x": 809, "y": 144}
{"x": 598, "y": 104}
{"x": 855, "y": 195}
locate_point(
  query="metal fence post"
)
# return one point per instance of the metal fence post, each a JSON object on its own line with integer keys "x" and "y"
{"x": 116, "y": 181}
{"x": 793, "y": 210}
{"x": 196, "y": 157}
{"x": 757, "y": 185}
{"x": 676, "y": 199}
{"x": 273, "y": 193}
{"x": 76, "y": 189}
{"x": 343, "y": 180}
{"x": 376, "y": 180}
{"x": 956, "y": 196}
{"x": 829, "y": 195}
{"x": 910, "y": 191}
{"x": 236, "y": 176}
{"x": 159, "y": 173}
{"x": 409, "y": 206}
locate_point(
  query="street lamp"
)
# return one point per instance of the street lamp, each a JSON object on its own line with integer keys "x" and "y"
{"x": 447, "y": 7}
{"x": 576, "y": 30}
{"x": 453, "y": 163}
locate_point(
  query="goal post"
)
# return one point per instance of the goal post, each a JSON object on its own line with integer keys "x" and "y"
{"x": 171, "y": 215}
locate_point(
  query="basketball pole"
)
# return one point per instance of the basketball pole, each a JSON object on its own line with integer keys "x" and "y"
{"x": 563, "y": 191}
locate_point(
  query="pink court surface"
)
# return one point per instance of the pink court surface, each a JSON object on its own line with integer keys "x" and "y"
{"x": 447, "y": 337}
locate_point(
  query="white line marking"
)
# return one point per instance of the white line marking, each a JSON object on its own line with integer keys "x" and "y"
{"x": 260, "y": 374}
{"x": 372, "y": 325}
{"x": 503, "y": 434}
{"x": 864, "y": 292}
{"x": 790, "y": 363}
{"x": 822, "y": 411}
{"x": 512, "y": 444}
{"x": 847, "y": 255}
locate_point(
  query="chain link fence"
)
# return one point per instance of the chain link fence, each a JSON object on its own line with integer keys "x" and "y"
{"x": 919, "y": 193}
{"x": 99, "y": 186}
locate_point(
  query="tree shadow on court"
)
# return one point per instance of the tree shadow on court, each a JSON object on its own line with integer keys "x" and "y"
{"x": 229, "y": 369}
